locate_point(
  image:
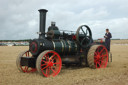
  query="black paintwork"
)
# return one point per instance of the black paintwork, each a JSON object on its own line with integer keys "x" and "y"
{"x": 108, "y": 40}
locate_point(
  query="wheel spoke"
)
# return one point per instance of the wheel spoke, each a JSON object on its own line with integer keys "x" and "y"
{"x": 83, "y": 40}
{"x": 28, "y": 54}
{"x": 47, "y": 57}
{"x": 103, "y": 62}
{"x": 104, "y": 55}
{"x": 95, "y": 57}
{"x": 26, "y": 68}
{"x": 101, "y": 51}
{"x": 53, "y": 59}
{"x": 46, "y": 71}
{"x": 54, "y": 67}
{"x": 99, "y": 63}
{"x": 53, "y": 70}
{"x": 83, "y": 31}
{"x": 43, "y": 64}
{"x": 49, "y": 70}
{"x": 94, "y": 61}
{"x": 44, "y": 67}
{"x": 96, "y": 53}
{"x": 52, "y": 56}
{"x": 97, "y": 50}
{"x": 43, "y": 61}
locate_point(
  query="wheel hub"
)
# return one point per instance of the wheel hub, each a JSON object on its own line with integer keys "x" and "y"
{"x": 50, "y": 64}
{"x": 98, "y": 56}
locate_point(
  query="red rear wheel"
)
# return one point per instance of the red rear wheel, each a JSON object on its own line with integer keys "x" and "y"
{"x": 49, "y": 63}
{"x": 97, "y": 56}
{"x": 24, "y": 69}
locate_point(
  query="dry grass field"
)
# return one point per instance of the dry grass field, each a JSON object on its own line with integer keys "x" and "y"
{"x": 116, "y": 72}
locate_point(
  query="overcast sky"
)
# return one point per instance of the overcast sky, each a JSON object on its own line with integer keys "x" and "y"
{"x": 19, "y": 19}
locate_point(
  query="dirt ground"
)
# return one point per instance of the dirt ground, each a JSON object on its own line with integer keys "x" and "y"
{"x": 116, "y": 72}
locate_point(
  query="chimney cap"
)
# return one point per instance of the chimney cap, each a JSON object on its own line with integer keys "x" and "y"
{"x": 45, "y": 10}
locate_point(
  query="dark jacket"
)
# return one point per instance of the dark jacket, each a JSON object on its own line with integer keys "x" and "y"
{"x": 107, "y": 40}
{"x": 108, "y": 35}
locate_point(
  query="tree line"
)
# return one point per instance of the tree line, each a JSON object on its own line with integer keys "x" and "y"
{"x": 25, "y": 40}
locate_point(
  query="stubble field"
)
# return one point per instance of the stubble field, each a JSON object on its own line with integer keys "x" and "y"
{"x": 116, "y": 72}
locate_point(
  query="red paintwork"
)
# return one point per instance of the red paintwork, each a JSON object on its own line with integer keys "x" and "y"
{"x": 27, "y": 69}
{"x": 74, "y": 37}
{"x": 33, "y": 43}
{"x": 101, "y": 57}
{"x": 101, "y": 40}
{"x": 51, "y": 64}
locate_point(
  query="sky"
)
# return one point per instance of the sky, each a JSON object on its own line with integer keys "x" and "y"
{"x": 19, "y": 19}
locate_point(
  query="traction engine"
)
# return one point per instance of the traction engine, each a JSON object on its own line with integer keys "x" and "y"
{"x": 55, "y": 48}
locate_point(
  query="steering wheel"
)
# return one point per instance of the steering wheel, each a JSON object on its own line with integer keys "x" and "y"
{"x": 84, "y": 36}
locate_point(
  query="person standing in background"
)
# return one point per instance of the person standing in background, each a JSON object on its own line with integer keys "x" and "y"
{"x": 107, "y": 39}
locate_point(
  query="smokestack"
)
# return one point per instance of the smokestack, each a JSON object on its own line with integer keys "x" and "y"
{"x": 42, "y": 23}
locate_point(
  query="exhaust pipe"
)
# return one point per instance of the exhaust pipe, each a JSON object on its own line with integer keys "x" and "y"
{"x": 42, "y": 23}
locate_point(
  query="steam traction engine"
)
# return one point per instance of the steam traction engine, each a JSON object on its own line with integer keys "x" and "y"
{"x": 55, "y": 48}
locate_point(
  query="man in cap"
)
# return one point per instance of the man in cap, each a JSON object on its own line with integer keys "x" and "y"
{"x": 107, "y": 39}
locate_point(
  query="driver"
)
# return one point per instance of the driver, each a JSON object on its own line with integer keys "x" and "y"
{"x": 107, "y": 39}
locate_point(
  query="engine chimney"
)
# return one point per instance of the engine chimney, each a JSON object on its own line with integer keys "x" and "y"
{"x": 42, "y": 23}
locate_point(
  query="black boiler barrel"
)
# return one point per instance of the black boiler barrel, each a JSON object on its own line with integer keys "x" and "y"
{"x": 66, "y": 47}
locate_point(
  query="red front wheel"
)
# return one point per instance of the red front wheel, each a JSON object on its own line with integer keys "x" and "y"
{"x": 49, "y": 63}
